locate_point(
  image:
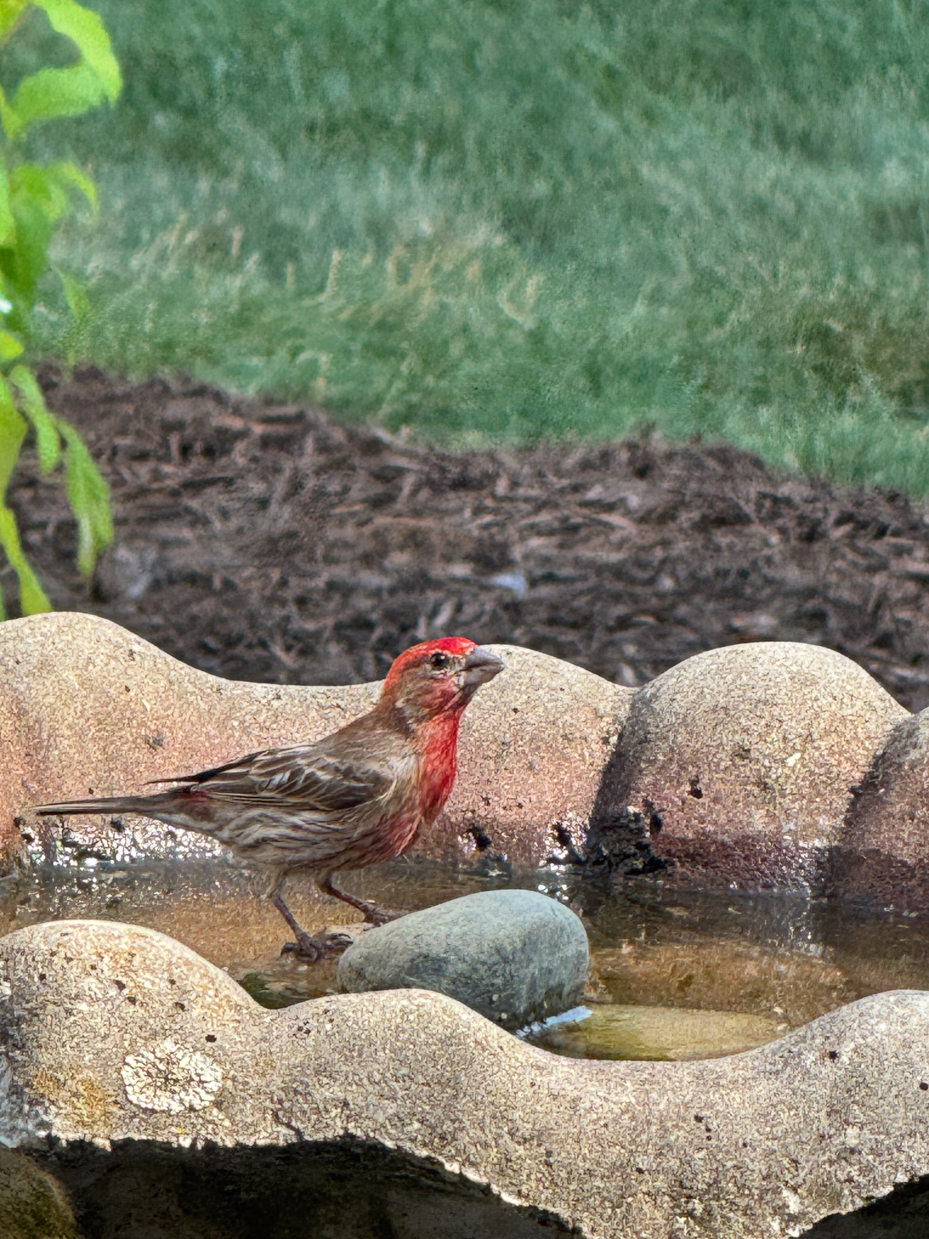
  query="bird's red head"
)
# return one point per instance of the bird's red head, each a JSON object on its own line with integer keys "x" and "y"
{"x": 426, "y": 690}
{"x": 438, "y": 677}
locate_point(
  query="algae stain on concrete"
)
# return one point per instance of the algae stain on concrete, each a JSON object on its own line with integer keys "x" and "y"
{"x": 32, "y": 1204}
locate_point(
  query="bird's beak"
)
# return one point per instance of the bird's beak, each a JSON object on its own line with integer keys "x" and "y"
{"x": 480, "y": 666}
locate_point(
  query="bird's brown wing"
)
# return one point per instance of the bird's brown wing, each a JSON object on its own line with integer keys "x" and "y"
{"x": 304, "y": 774}
{"x": 304, "y": 806}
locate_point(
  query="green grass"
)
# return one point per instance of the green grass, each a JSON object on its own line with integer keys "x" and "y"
{"x": 523, "y": 220}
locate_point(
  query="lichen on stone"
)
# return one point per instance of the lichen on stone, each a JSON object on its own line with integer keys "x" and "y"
{"x": 168, "y": 1078}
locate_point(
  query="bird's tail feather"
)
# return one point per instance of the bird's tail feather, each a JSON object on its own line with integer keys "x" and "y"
{"x": 108, "y": 804}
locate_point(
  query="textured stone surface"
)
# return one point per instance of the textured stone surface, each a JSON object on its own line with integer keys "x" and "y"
{"x": 531, "y": 756}
{"x": 762, "y": 1143}
{"x": 738, "y": 764}
{"x": 514, "y": 956}
{"x": 86, "y": 707}
{"x": 741, "y": 765}
{"x": 884, "y": 852}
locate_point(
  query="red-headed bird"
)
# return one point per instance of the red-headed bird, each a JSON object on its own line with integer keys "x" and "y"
{"x": 352, "y": 799}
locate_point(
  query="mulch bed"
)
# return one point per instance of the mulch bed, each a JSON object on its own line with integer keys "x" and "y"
{"x": 262, "y": 541}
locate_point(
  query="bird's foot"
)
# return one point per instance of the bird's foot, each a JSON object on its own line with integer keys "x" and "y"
{"x": 379, "y": 916}
{"x": 315, "y": 949}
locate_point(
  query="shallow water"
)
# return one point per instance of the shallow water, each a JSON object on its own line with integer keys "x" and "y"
{"x": 674, "y": 974}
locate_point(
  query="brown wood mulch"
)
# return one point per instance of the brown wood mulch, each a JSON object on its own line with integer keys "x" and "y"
{"x": 269, "y": 542}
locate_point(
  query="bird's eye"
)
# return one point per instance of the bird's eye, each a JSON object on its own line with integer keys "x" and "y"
{"x": 439, "y": 661}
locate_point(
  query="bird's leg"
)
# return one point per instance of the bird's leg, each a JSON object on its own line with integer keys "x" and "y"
{"x": 371, "y": 912}
{"x": 311, "y": 948}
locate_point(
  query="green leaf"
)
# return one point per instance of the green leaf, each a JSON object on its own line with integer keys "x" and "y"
{"x": 11, "y": 122}
{"x": 32, "y": 403}
{"x": 89, "y": 496}
{"x": 69, "y": 175}
{"x": 62, "y": 92}
{"x": 87, "y": 30}
{"x": 46, "y": 189}
{"x": 10, "y": 347}
{"x": 51, "y": 93}
{"x": 76, "y": 297}
{"x": 32, "y": 597}
{"x": 38, "y": 200}
{"x": 24, "y": 266}
{"x": 7, "y": 222}
{"x": 32, "y": 200}
{"x": 12, "y": 432}
{"x": 10, "y": 13}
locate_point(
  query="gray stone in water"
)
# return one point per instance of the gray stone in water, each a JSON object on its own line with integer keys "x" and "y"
{"x": 514, "y": 956}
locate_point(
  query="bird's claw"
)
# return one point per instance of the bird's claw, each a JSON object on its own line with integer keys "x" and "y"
{"x": 379, "y": 916}
{"x": 315, "y": 949}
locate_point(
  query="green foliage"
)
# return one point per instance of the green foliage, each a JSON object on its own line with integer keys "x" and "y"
{"x": 523, "y": 220}
{"x": 33, "y": 199}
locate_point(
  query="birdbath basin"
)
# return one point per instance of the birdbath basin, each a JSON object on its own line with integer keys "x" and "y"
{"x": 675, "y": 974}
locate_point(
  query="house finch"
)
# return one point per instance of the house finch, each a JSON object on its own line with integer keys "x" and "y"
{"x": 352, "y": 799}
